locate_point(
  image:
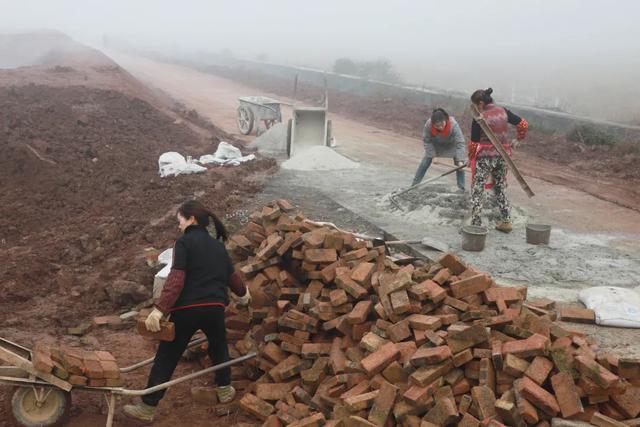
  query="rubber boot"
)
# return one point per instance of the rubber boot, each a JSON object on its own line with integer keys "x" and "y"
{"x": 141, "y": 412}
{"x": 504, "y": 226}
{"x": 226, "y": 393}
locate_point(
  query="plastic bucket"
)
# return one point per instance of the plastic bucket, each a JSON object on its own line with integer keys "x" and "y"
{"x": 473, "y": 238}
{"x": 538, "y": 234}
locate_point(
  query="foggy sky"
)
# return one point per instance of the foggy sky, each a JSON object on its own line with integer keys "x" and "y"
{"x": 558, "y": 48}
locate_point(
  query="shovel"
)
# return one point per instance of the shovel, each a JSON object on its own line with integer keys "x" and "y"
{"x": 425, "y": 241}
{"x": 423, "y": 184}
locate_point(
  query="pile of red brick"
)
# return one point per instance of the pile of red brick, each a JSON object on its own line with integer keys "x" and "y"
{"x": 346, "y": 336}
{"x": 86, "y": 368}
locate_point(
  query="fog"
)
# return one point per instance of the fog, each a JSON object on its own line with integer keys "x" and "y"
{"x": 581, "y": 56}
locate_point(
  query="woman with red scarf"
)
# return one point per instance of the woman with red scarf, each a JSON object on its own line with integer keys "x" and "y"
{"x": 442, "y": 137}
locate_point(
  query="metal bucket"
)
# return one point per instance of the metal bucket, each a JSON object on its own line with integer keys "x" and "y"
{"x": 473, "y": 238}
{"x": 538, "y": 234}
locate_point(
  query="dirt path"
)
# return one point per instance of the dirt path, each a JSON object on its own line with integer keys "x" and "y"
{"x": 216, "y": 98}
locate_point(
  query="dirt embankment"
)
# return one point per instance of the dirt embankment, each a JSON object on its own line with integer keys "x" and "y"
{"x": 81, "y": 194}
{"x": 608, "y": 172}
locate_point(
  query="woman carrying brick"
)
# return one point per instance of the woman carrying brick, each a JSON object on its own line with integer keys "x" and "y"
{"x": 488, "y": 162}
{"x": 195, "y": 295}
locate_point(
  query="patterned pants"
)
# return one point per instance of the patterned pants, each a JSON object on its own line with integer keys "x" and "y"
{"x": 486, "y": 167}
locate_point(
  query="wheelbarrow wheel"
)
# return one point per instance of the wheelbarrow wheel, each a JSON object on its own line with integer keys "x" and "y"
{"x": 245, "y": 120}
{"x": 40, "y": 406}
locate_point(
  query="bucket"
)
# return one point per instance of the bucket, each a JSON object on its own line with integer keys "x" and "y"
{"x": 473, "y": 238}
{"x": 538, "y": 234}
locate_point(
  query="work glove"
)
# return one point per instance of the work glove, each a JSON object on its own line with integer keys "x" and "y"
{"x": 153, "y": 320}
{"x": 244, "y": 300}
{"x": 459, "y": 163}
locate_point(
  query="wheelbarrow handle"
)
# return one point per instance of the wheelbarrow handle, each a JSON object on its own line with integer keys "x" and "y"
{"x": 188, "y": 377}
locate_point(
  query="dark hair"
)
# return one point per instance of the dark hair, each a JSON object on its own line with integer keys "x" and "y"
{"x": 439, "y": 115}
{"x": 193, "y": 208}
{"x": 483, "y": 95}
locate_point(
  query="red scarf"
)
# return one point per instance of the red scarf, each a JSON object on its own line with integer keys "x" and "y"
{"x": 444, "y": 132}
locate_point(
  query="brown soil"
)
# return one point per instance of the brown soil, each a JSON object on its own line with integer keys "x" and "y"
{"x": 82, "y": 199}
{"x": 551, "y": 157}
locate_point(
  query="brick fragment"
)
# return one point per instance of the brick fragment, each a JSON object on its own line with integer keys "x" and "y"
{"x": 351, "y": 287}
{"x": 566, "y": 394}
{"x": 424, "y": 322}
{"x": 400, "y": 301}
{"x": 362, "y": 273}
{"x": 338, "y": 297}
{"x": 508, "y": 412}
{"x": 629, "y": 368}
{"x": 428, "y": 374}
{"x": 360, "y": 312}
{"x": 461, "y": 358}
{"x": 256, "y": 406}
{"x": 535, "y": 345}
{"x": 361, "y": 401}
{"x": 316, "y": 420}
{"x": 628, "y": 402}
{"x": 469, "y": 420}
{"x": 399, "y": 331}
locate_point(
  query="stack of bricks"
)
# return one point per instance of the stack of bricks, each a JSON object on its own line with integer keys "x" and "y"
{"x": 347, "y": 337}
{"x": 78, "y": 367}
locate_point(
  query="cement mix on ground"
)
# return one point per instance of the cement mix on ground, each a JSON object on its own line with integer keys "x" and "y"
{"x": 319, "y": 158}
{"x": 274, "y": 140}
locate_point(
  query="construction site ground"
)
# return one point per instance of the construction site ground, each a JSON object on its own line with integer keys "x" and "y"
{"x": 85, "y": 200}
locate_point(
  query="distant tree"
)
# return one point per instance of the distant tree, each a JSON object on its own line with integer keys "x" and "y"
{"x": 380, "y": 69}
{"x": 345, "y": 66}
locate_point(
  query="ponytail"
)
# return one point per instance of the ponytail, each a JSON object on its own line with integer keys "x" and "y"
{"x": 482, "y": 95}
{"x": 221, "y": 230}
{"x": 193, "y": 208}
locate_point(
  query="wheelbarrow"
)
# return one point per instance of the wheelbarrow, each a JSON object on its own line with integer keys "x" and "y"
{"x": 43, "y": 400}
{"x": 256, "y": 109}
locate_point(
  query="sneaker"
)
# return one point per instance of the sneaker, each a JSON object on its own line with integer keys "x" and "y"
{"x": 226, "y": 393}
{"x": 141, "y": 412}
{"x": 504, "y": 226}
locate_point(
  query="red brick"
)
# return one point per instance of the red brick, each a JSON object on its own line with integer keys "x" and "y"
{"x": 352, "y": 288}
{"x": 452, "y": 262}
{"x": 525, "y": 408}
{"x": 360, "y": 312}
{"x": 577, "y": 314}
{"x": 496, "y": 355}
{"x": 442, "y": 276}
{"x": 539, "y": 369}
{"x": 535, "y": 345}
{"x": 601, "y": 420}
{"x": 471, "y": 286}
{"x": 428, "y": 374}
{"x": 338, "y": 297}
{"x": 418, "y": 395}
{"x": 430, "y": 355}
{"x": 42, "y": 359}
{"x": 506, "y": 294}
{"x": 628, "y": 402}
{"x": 456, "y": 303}
{"x": 484, "y": 400}
{"x": 424, "y": 323}
{"x": 77, "y": 380}
{"x": 256, "y": 406}
{"x": 566, "y": 394}
{"x": 361, "y": 401}
{"x": 508, "y": 412}
{"x": 166, "y": 333}
{"x": 318, "y": 256}
{"x": 469, "y": 337}
{"x": 380, "y": 359}
{"x": 399, "y": 331}
{"x": 469, "y": 420}
{"x": 93, "y": 369}
{"x": 362, "y": 273}
{"x": 463, "y": 357}
{"x": 629, "y": 368}
{"x": 316, "y": 420}
{"x": 487, "y": 375}
{"x": 315, "y": 350}
{"x": 541, "y": 398}
{"x": 595, "y": 372}
{"x": 383, "y": 404}
{"x": 400, "y": 301}
{"x": 407, "y": 349}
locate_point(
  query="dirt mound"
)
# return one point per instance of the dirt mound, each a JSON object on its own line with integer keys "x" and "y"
{"x": 84, "y": 197}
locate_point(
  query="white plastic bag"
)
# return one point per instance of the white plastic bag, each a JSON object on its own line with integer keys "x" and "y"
{"x": 174, "y": 164}
{"x": 613, "y": 306}
{"x": 227, "y": 155}
{"x": 227, "y": 151}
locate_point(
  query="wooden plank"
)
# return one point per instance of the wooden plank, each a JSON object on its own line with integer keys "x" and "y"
{"x": 22, "y": 363}
{"x": 498, "y": 146}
